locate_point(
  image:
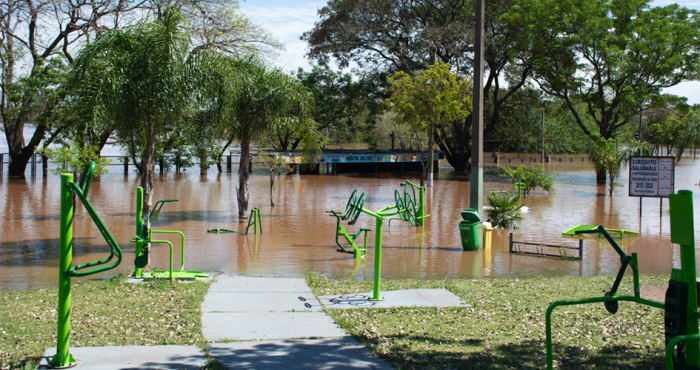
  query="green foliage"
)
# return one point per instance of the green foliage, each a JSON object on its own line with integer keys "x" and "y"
{"x": 259, "y": 99}
{"x": 427, "y": 101}
{"x": 533, "y": 177}
{"x": 607, "y": 54}
{"x": 143, "y": 79}
{"x": 520, "y": 127}
{"x": 275, "y": 165}
{"x": 669, "y": 132}
{"x": 690, "y": 138}
{"x": 345, "y": 107}
{"x": 404, "y": 138}
{"x": 72, "y": 159}
{"x": 503, "y": 210}
{"x": 609, "y": 155}
{"x": 430, "y": 96}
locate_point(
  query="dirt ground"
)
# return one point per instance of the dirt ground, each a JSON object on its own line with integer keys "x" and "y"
{"x": 654, "y": 292}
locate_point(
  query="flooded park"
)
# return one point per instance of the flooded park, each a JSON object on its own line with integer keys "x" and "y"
{"x": 299, "y": 236}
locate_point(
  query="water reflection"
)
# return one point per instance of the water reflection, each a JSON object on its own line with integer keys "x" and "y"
{"x": 299, "y": 236}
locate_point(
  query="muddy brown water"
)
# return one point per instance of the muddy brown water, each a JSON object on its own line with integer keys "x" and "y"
{"x": 299, "y": 235}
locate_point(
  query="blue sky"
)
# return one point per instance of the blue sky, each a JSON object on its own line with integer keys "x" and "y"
{"x": 287, "y": 20}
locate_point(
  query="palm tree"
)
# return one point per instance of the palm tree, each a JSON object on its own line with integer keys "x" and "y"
{"x": 143, "y": 78}
{"x": 609, "y": 156}
{"x": 258, "y": 99}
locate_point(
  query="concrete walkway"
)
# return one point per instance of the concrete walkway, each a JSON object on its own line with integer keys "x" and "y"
{"x": 265, "y": 323}
{"x": 278, "y": 324}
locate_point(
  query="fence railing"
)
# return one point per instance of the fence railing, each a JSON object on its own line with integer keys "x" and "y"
{"x": 546, "y": 250}
{"x": 117, "y": 160}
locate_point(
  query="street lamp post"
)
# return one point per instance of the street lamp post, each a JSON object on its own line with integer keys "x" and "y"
{"x": 476, "y": 194}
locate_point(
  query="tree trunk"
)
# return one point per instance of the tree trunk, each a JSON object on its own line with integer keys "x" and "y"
{"x": 424, "y": 167}
{"x": 20, "y": 153}
{"x": 243, "y": 175}
{"x": 455, "y": 147}
{"x": 148, "y": 165}
{"x": 272, "y": 184}
{"x": 19, "y": 162}
{"x": 601, "y": 176}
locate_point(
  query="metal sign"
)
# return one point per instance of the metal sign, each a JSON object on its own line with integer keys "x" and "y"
{"x": 651, "y": 176}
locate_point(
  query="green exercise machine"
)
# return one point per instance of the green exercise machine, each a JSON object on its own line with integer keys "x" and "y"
{"x": 615, "y": 233}
{"x": 253, "y": 220}
{"x": 69, "y": 189}
{"x": 405, "y": 207}
{"x": 144, "y": 240}
{"x": 681, "y": 301}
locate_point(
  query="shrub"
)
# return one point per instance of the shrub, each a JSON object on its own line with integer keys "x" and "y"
{"x": 503, "y": 212}
{"x": 532, "y": 177}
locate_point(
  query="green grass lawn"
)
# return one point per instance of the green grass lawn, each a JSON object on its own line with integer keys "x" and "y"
{"x": 505, "y": 327}
{"x": 106, "y": 313}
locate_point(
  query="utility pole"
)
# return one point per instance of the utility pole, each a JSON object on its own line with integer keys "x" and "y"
{"x": 542, "y": 154}
{"x": 476, "y": 194}
{"x": 640, "y": 122}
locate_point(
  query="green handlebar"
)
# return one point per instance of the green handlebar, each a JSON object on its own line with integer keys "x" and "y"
{"x": 86, "y": 179}
{"x": 81, "y": 190}
{"x": 623, "y": 257}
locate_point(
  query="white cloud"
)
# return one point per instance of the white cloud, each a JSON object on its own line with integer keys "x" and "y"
{"x": 287, "y": 23}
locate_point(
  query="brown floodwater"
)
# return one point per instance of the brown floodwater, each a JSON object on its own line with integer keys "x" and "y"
{"x": 299, "y": 235}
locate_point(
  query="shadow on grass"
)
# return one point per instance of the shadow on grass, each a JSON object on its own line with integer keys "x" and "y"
{"x": 531, "y": 354}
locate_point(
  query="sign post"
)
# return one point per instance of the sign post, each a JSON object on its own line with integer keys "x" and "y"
{"x": 652, "y": 177}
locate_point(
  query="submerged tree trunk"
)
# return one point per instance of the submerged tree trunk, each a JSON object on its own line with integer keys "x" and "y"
{"x": 243, "y": 175}
{"x": 272, "y": 184}
{"x": 601, "y": 176}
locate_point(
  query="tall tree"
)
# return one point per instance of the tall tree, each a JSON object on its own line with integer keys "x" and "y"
{"x": 611, "y": 55}
{"x": 340, "y": 100}
{"x": 259, "y": 98}
{"x": 32, "y": 35}
{"x": 383, "y": 37}
{"x": 430, "y": 99}
{"x": 144, "y": 78}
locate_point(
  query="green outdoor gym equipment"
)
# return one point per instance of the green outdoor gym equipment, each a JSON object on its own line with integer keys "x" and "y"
{"x": 253, "y": 220}
{"x": 356, "y": 251}
{"x": 144, "y": 239}
{"x": 615, "y": 233}
{"x": 681, "y": 307}
{"x": 69, "y": 189}
{"x": 520, "y": 186}
{"x": 406, "y": 209}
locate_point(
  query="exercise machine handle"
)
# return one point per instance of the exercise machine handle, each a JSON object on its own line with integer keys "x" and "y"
{"x": 601, "y": 230}
{"x": 115, "y": 250}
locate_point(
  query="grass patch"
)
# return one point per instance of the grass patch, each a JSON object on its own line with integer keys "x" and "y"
{"x": 505, "y": 328}
{"x": 106, "y": 313}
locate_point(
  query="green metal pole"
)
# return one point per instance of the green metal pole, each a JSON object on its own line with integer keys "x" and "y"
{"x": 377, "y": 259}
{"x": 683, "y": 233}
{"x": 256, "y": 215}
{"x": 476, "y": 193}
{"x": 139, "y": 215}
{"x": 421, "y": 199}
{"x": 63, "y": 358}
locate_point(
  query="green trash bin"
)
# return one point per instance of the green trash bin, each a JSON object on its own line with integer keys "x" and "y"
{"x": 469, "y": 230}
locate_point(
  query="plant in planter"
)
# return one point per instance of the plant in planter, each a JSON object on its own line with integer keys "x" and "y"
{"x": 503, "y": 211}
